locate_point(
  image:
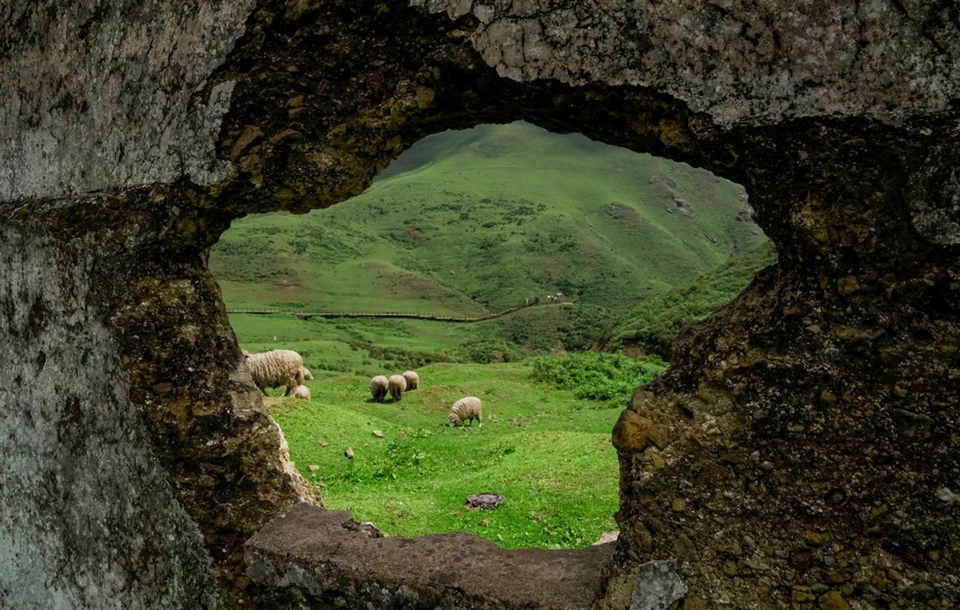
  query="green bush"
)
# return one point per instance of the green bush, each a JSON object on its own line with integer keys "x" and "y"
{"x": 487, "y": 352}
{"x": 606, "y": 378}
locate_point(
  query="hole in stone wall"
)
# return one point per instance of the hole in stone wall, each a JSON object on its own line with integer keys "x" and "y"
{"x": 599, "y": 255}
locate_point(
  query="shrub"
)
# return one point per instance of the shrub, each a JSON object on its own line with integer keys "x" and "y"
{"x": 606, "y": 378}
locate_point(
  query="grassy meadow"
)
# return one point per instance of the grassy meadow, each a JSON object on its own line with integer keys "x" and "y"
{"x": 546, "y": 450}
{"x": 467, "y": 223}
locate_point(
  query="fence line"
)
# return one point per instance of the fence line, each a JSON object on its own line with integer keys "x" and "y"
{"x": 306, "y": 315}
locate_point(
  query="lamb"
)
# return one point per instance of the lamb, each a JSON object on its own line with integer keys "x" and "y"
{"x": 396, "y": 384}
{"x": 412, "y": 379}
{"x": 307, "y": 375}
{"x": 302, "y": 391}
{"x": 378, "y": 387}
{"x": 466, "y": 409}
{"x": 279, "y": 367}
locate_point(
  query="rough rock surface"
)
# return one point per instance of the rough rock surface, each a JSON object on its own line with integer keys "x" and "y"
{"x": 328, "y": 555}
{"x": 85, "y": 81}
{"x": 755, "y": 62}
{"x": 795, "y": 453}
{"x": 87, "y": 507}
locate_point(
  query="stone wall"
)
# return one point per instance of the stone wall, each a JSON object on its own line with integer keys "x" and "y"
{"x": 803, "y": 449}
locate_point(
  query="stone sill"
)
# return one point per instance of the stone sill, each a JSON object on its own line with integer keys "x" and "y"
{"x": 328, "y": 556}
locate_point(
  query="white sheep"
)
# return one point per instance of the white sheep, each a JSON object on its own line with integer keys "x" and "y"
{"x": 378, "y": 387}
{"x": 396, "y": 384}
{"x": 466, "y": 409}
{"x": 302, "y": 391}
{"x": 307, "y": 375}
{"x": 279, "y": 367}
{"x": 412, "y": 379}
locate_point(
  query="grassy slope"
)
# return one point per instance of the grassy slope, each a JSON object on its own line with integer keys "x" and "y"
{"x": 655, "y": 323}
{"x": 548, "y": 453}
{"x": 481, "y": 219}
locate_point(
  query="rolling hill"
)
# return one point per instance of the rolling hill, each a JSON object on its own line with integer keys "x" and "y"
{"x": 479, "y": 220}
{"x": 484, "y": 218}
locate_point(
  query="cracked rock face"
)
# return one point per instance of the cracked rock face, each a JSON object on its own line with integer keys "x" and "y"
{"x": 737, "y": 61}
{"x": 795, "y": 453}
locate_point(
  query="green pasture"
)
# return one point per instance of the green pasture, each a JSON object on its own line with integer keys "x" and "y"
{"x": 545, "y": 450}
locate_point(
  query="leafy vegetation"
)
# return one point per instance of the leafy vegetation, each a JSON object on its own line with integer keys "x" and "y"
{"x": 608, "y": 378}
{"x": 655, "y": 323}
{"x": 483, "y": 219}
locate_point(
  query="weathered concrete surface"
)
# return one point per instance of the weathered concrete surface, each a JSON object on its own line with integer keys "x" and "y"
{"x": 87, "y": 507}
{"x": 799, "y": 449}
{"x": 325, "y": 553}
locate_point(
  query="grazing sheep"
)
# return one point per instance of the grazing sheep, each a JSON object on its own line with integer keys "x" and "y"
{"x": 279, "y": 367}
{"x": 378, "y": 387}
{"x": 307, "y": 375}
{"x": 302, "y": 391}
{"x": 466, "y": 409}
{"x": 396, "y": 384}
{"x": 412, "y": 379}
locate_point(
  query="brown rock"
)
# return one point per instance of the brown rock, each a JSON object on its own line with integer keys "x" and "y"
{"x": 250, "y": 135}
{"x": 631, "y": 434}
{"x": 848, "y": 285}
{"x": 287, "y": 135}
{"x": 642, "y": 536}
{"x": 832, "y": 600}
{"x": 694, "y": 603}
{"x": 685, "y": 548}
{"x": 656, "y": 460}
{"x": 348, "y": 453}
{"x": 812, "y": 538}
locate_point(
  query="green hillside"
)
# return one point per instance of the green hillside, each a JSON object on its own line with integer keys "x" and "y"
{"x": 475, "y": 221}
{"x": 478, "y": 220}
{"x": 655, "y": 323}
{"x": 467, "y": 223}
{"x": 545, "y": 448}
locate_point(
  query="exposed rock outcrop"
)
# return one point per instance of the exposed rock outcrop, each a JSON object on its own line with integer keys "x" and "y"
{"x": 797, "y": 450}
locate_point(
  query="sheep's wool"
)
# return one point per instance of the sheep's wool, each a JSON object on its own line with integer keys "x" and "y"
{"x": 465, "y": 409}
{"x": 302, "y": 391}
{"x": 397, "y": 384}
{"x": 378, "y": 387}
{"x": 279, "y": 367}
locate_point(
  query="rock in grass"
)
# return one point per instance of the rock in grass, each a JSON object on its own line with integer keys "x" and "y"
{"x": 607, "y": 537}
{"x": 323, "y": 442}
{"x": 485, "y": 501}
{"x": 314, "y": 467}
{"x": 378, "y": 433}
{"x": 348, "y": 453}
